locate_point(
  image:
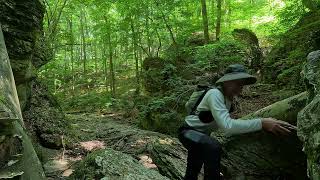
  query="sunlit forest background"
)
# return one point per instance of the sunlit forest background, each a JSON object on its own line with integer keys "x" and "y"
{"x": 101, "y": 86}
{"x": 99, "y": 46}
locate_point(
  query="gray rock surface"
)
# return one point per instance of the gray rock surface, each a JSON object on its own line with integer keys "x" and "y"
{"x": 22, "y": 23}
{"x": 17, "y": 155}
{"x": 309, "y": 117}
{"x": 111, "y": 165}
{"x": 22, "y": 28}
{"x": 165, "y": 152}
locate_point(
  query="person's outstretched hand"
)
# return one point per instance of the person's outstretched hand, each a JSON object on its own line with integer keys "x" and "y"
{"x": 277, "y": 127}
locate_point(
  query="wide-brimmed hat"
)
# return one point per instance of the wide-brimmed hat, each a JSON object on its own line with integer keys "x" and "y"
{"x": 237, "y": 71}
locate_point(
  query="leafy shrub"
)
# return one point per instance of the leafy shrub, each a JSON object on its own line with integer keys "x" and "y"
{"x": 87, "y": 102}
{"x": 162, "y": 114}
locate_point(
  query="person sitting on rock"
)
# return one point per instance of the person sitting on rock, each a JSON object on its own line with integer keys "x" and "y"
{"x": 194, "y": 134}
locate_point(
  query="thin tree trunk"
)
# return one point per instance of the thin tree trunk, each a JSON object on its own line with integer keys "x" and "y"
{"x": 111, "y": 66}
{"x": 169, "y": 28}
{"x": 83, "y": 36}
{"x": 205, "y": 21}
{"x": 148, "y": 32}
{"x": 65, "y": 69}
{"x": 134, "y": 42}
{"x": 54, "y": 21}
{"x": 218, "y": 27}
{"x": 95, "y": 59}
{"x": 105, "y": 68}
{"x": 160, "y": 42}
{"x": 71, "y": 51}
{"x": 113, "y": 88}
{"x": 213, "y": 10}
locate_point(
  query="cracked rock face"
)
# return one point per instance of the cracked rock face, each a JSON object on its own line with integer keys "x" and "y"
{"x": 309, "y": 117}
{"x": 21, "y": 23}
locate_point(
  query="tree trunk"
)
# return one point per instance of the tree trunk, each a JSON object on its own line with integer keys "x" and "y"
{"x": 218, "y": 24}
{"x": 111, "y": 66}
{"x": 134, "y": 42}
{"x": 213, "y": 11}
{"x": 205, "y": 21}
{"x": 71, "y": 51}
{"x": 53, "y": 22}
{"x": 148, "y": 32}
{"x": 83, "y": 37}
{"x": 228, "y": 13}
{"x": 65, "y": 69}
{"x": 105, "y": 68}
{"x": 169, "y": 28}
{"x": 16, "y": 147}
{"x": 113, "y": 88}
{"x": 95, "y": 59}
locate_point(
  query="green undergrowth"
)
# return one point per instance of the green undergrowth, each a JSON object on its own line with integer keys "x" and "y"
{"x": 284, "y": 63}
{"x": 178, "y": 73}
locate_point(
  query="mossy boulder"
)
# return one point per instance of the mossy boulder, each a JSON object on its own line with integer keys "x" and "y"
{"x": 110, "y": 164}
{"x": 157, "y": 73}
{"x": 44, "y": 117}
{"x": 251, "y": 41}
{"x": 167, "y": 155}
{"x": 17, "y": 152}
{"x": 308, "y": 118}
{"x": 22, "y": 27}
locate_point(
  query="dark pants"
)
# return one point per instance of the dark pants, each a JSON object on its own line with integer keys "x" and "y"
{"x": 202, "y": 150}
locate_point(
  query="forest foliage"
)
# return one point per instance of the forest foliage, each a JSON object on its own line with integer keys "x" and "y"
{"x": 144, "y": 56}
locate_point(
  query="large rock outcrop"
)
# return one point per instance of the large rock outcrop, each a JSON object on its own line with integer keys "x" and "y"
{"x": 16, "y": 149}
{"x": 254, "y": 51}
{"x": 22, "y": 23}
{"x": 309, "y": 117}
{"x": 252, "y": 156}
{"x": 22, "y": 28}
{"x": 166, "y": 154}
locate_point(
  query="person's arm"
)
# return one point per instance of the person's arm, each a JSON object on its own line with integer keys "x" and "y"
{"x": 222, "y": 117}
{"x": 231, "y": 126}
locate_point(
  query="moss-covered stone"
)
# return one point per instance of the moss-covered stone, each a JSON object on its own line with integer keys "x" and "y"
{"x": 250, "y": 39}
{"x": 110, "y": 164}
{"x": 309, "y": 117}
{"x": 285, "y": 110}
{"x": 22, "y": 27}
{"x": 44, "y": 117}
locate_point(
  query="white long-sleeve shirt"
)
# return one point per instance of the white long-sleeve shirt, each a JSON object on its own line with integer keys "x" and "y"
{"x": 219, "y": 106}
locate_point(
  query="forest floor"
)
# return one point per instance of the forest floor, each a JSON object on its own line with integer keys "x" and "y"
{"x": 92, "y": 131}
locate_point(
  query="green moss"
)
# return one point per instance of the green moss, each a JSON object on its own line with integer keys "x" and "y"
{"x": 110, "y": 164}
{"x": 87, "y": 169}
